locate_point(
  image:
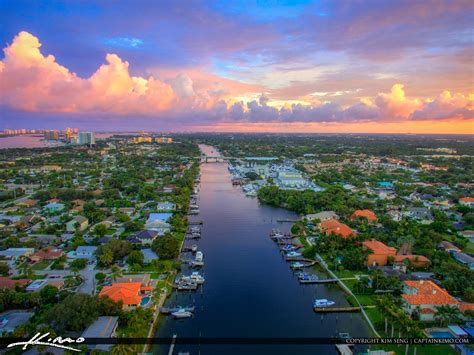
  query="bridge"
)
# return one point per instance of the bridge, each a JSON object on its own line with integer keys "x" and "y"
{"x": 222, "y": 158}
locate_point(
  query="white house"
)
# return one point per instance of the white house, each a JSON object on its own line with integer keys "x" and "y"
{"x": 467, "y": 201}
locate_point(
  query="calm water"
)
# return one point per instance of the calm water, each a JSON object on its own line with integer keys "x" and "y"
{"x": 250, "y": 291}
{"x": 34, "y": 141}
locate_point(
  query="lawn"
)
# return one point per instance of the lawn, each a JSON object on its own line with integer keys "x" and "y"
{"x": 41, "y": 265}
{"x": 469, "y": 248}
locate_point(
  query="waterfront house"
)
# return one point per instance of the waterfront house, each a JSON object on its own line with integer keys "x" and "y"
{"x": 380, "y": 252}
{"x": 79, "y": 222}
{"x": 423, "y": 297}
{"x": 159, "y": 222}
{"x": 336, "y": 227}
{"x": 127, "y": 292}
{"x": 414, "y": 260}
{"x": 322, "y": 216}
{"x": 367, "y": 214}
{"x": 104, "y": 328}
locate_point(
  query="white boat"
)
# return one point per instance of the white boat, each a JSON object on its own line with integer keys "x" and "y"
{"x": 199, "y": 256}
{"x": 322, "y": 302}
{"x": 195, "y": 278}
{"x": 293, "y": 254}
{"x": 194, "y": 248}
{"x": 182, "y": 313}
{"x": 297, "y": 265}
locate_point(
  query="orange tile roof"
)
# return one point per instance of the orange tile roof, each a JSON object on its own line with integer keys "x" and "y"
{"x": 49, "y": 254}
{"x": 127, "y": 292}
{"x": 427, "y": 292}
{"x": 463, "y": 307}
{"x": 379, "y": 247}
{"x": 467, "y": 199}
{"x": 413, "y": 258}
{"x": 336, "y": 227}
{"x": 365, "y": 213}
{"x": 146, "y": 288}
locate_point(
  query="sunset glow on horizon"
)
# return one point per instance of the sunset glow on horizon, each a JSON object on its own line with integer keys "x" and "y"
{"x": 260, "y": 66}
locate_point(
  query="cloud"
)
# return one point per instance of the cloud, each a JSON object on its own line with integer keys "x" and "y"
{"x": 31, "y": 81}
{"x": 129, "y": 42}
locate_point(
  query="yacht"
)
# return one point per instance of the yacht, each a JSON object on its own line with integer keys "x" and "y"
{"x": 182, "y": 313}
{"x": 307, "y": 277}
{"x": 322, "y": 302}
{"x": 194, "y": 278}
{"x": 199, "y": 256}
{"x": 194, "y": 248}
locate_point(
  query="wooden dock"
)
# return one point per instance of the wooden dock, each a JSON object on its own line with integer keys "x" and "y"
{"x": 336, "y": 309}
{"x": 286, "y": 220}
{"x": 326, "y": 281}
{"x": 344, "y": 349}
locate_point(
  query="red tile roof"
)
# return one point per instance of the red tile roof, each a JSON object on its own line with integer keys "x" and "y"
{"x": 413, "y": 258}
{"x": 127, "y": 292}
{"x": 336, "y": 227}
{"x": 379, "y": 247}
{"x": 370, "y": 215}
{"x": 6, "y": 282}
{"x": 427, "y": 292}
{"x": 49, "y": 254}
{"x": 463, "y": 307}
{"x": 467, "y": 199}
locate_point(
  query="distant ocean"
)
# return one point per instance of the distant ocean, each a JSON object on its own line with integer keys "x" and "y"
{"x": 34, "y": 141}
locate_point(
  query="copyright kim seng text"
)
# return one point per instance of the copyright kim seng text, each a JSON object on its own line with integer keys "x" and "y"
{"x": 407, "y": 341}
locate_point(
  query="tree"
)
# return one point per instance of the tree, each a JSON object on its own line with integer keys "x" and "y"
{"x": 136, "y": 258}
{"x": 48, "y": 294}
{"x": 100, "y": 276}
{"x": 79, "y": 264}
{"x": 167, "y": 247}
{"x": 100, "y": 230}
{"x": 447, "y": 313}
{"x": 4, "y": 269}
{"x": 116, "y": 272}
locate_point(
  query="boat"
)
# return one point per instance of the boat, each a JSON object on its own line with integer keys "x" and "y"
{"x": 194, "y": 248}
{"x": 322, "y": 302}
{"x": 195, "y": 277}
{"x": 186, "y": 285}
{"x": 293, "y": 254}
{"x": 170, "y": 310}
{"x": 289, "y": 247}
{"x": 182, "y": 313}
{"x": 197, "y": 264}
{"x": 199, "y": 256}
{"x": 307, "y": 277}
{"x": 297, "y": 265}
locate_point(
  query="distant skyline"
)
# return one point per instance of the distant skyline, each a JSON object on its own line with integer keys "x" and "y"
{"x": 262, "y": 65}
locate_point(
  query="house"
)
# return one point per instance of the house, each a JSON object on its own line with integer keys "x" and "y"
{"x": 368, "y": 214}
{"x": 8, "y": 283}
{"x": 380, "y": 252}
{"x": 149, "y": 255}
{"x": 420, "y": 214}
{"x": 127, "y": 210}
{"x": 79, "y": 222}
{"x": 467, "y": 201}
{"x": 322, "y": 216}
{"x": 37, "y": 285}
{"x": 415, "y": 260}
{"x": 465, "y": 259}
{"x": 159, "y": 222}
{"x": 82, "y": 252}
{"x": 423, "y": 297}
{"x": 166, "y": 206}
{"x": 28, "y": 203}
{"x": 144, "y": 237}
{"x": 54, "y": 207}
{"x": 127, "y": 292}
{"x": 50, "y": 253}
{"x": 449, "y": 247}
{"x": 336, "y": 227}
{"x": 15, "y": 253}
{"x": 395, "y": 215}
{"x": 103, "y": 327}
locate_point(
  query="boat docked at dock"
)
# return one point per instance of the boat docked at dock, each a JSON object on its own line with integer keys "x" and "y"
{"x": 293, "y": 254}
{"x": 166, "y": 310}
{"x": 297, "y": 265}
{"x": 323, "y": 302}
{"x": 289, "y": 247}
{"x": 198, "y": 260}
{"x": 182, "y": 313}
{"x": 194, "y": 248}
{"x": 307, "y": 278}
{"x": 195, "y": 277}
{"x": 185, "y": 285}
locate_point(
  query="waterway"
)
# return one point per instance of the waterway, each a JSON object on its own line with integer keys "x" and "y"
{"x": 250, "y": 290}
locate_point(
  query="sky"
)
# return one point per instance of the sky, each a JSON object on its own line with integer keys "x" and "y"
{"x": 252, "y": 66}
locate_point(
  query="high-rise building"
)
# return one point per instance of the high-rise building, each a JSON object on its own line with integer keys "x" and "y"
{"x": 51, "y": 135}
{"x": 86, "y": 138}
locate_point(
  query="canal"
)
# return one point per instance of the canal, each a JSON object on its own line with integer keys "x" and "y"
{"x": 250, "y": 291}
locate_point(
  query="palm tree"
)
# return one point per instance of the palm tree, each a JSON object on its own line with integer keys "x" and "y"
{"x": 447, "y": 313}
{"x": 116, "y": 272}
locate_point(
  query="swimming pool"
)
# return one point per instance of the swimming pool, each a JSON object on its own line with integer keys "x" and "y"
{"x": 144, "y": 301}
{"x": 441, "y": 334}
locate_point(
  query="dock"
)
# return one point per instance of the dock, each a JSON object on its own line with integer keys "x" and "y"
{"x": 286, "y": 220}
{"x": 344, "y": 349}
{"x": 195, "y": 223}
{"x": 336, "y": 309}
{"x": 326, "y": 281}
